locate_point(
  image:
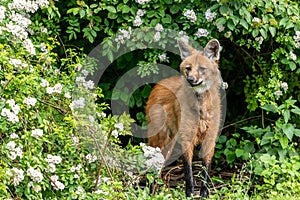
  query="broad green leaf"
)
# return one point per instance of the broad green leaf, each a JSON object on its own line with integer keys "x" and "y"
{"x": 82, "y": 13}
{"x": 111, "y": 9}
{"x": 286, "y": 116}
{"x": 272, "y": 31}
{"x": 284, "y": 142}
{"x": 255, "y": 33}
{"x": 239, "y": 152}
{"x": 288, "y": 130}
{"x": 292, "y": 66}
{"x": 244, "y": 24}
{"x": 230, "y": 25}
{"x": 296, "y": 111}
{"x": 270, "y": 107}
{"x": 174, "y": 9}
{"x": 263, "y": 33}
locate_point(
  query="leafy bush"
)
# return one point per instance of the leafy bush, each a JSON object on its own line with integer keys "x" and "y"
{"x": 47, "y": 148}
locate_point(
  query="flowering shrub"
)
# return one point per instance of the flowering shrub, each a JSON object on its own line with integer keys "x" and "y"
{"x": 56, "y": 144}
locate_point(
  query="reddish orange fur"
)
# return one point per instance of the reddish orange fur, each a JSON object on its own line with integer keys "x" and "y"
{"x": 176, "y": 112}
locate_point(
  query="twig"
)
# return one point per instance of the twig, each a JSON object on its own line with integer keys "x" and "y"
{"x": 6, "y": 84}
{"x": 54, "y": 106}
{"x": 51, "y": 180}
{"x": 241, "y": 121}
{"x": 100, "y": 166}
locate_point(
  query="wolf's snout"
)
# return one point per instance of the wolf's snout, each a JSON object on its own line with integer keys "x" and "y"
{"x": 191, "y": 80}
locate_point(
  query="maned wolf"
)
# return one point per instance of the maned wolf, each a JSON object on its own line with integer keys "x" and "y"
{"x": 187, "y": 109}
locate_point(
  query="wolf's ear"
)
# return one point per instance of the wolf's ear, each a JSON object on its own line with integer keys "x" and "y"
{"x": 185, "y": 49}
{"x": 212, "y": 50}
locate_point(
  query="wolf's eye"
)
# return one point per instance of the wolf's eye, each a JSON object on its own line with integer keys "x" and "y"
{"x": 188, "y": 67}
{"x": 201, "y": 68}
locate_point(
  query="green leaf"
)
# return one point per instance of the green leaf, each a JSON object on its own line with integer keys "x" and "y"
{"x": 284, "y": 142}
{"x": 296, "y": 111}
{"x": 111, "y": 9}
{"x": 174, "y": 9}
{"x": 297, "y": 132}
{"x": 283, "y": 21}
{"x": 239, "y": 152}
{"x": 272, "y": 31}
{"x": 244, "y": 24}
{"x": 221, "y": 21}
{"x": 167, "y": 19}
{"x": 255, "y": 32}
{"x": 270, "y": 107}
{"x": 222, "y": 139}
{"x": 292, "y": 66}
{"x": 263, "y": 32}
{"x": 288, "y": 130}
{"x": 286, "y": 116}
{"x": 82, "y": 13}
{"x": 230, "y": 25}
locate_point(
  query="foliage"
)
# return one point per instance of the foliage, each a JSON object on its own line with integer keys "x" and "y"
{"x": 43, "y": 54}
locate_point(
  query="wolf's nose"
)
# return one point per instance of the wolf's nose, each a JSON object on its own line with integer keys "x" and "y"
{"x": 190, "y": 79}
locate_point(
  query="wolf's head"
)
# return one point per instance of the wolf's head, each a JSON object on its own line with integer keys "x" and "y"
{"x": 200, "y": 68}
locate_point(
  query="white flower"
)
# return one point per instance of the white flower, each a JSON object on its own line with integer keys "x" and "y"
{"x": 75, "y": 140}
{"x": 137, "y": 21}
{"x": 17, "y": 174}
{"x": 154, "y": 157}
{"x": 140, "y": 13}
{"x": 79, "y": 190}
{"x": 91, "y": 158}
{"x": 29, "y": 46}
{"x": 30, "y": 101}
{"x": 36, "y": 133}
{"x": 2, "y": 13}
{"x": 284, "y": 86}
{"x": 142, "y": 2}
{"x": 278, "y": 93}
{"x": 56, "y": 184}
{"x": 220, "y": 28}
{"x": 293, "y": 56}
{"x": 72, "y": 169}
{"x": 76, "y": 176}
{"x": 115, "y": 133}
{"x": 11, "y": 145}
{"x": 228, "y": 34}
{"x": 210, "y": 15}
{"x": 53, "y": 159}
{"x": 159, "y": 27}
{"x": 44, "y": 83}
{"x": 67, "y": 95}
{"x": 78, "y": 103}
{"x": 259, "y": 39}
{"x": 190, "y": 14}
{"x": 52, "y": 168}
{"x": 11, "y": 116}
{"x": 157, "y": 36}
{"x": 85, "y": 72}
{"x": 119, "y": 126}
{"x": 59, "y": 185}
{"x": 123, "y": 34}
{"x": 297, "y": 36}
{"x": 202, "y": 33}
{"x": 15, "y": 62}
{"x": 14, "y": 136}
{"x": 89, "y": 85}
{"x": 162, "y": 57}
{"x": 57, "y": 88}
{"x": 36, "y": 175}
{"x": 49, "y": 90}
{"x": 256, "y": 20}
